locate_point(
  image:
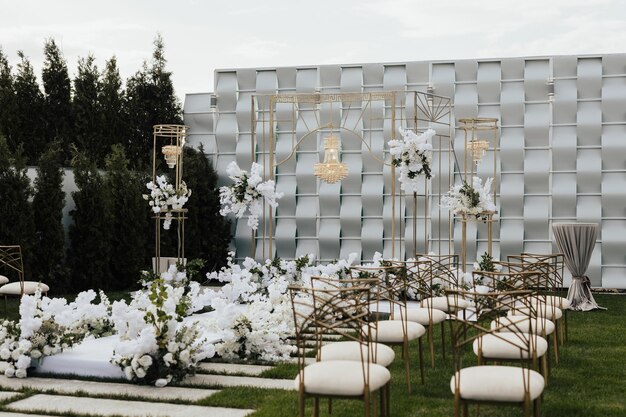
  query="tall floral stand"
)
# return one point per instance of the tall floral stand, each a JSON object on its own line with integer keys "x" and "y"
{"x": 169, "y": 140}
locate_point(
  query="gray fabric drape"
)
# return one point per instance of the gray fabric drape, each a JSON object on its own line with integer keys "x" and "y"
{"x": 576, "y": 242}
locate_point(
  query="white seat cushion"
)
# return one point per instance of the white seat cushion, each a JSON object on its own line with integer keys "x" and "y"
{"x": 448, "y": 304}
{"x": 391, "y": 331}
{"x": 343, "y": 378}
{"x": 30, "y": 287}
{"x": 497, "y": 383}
{"x": 510, "y": 345}
{"x": 519, "y": 323}
{"x": 349, "y": 351}
{"x": 541, "y": 310}
{"x": 553, "y": 300}
{"x": 421, "y": 316}
{"x": 3, "y": 280}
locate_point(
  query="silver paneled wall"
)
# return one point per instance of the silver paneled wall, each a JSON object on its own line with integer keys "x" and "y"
{"x": 561, "y": 160}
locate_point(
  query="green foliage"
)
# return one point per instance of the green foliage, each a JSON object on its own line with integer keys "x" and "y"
{"x": 86, "y": 111}
{"x": 472, "y": 196}
{"x": 486, "y": 263}
{"x": 114, "y": 122}
{"x": 129, "y": 221}
{"x": 48, "y": 204}
{"x": 7, "y": 99}
{"x": 91, "y": 236}
{"x": 150, "y": 100}
{"x": 29, "y": 123}
{"x": 16, "y": 227}
{"x": 207, "y": 232}
{"x": 58, "y": 107}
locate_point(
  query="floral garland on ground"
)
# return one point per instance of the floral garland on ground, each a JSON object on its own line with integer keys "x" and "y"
{"x": 247, "y": 193}
{"x": 164, "y": 198}
{"x": 48, "y": 326}
{"x": 474, "y": 199}
{"x": 413, "y": 155}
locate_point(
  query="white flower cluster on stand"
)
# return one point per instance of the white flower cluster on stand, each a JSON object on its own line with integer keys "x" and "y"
{"x": 164, "y": 197}
{"x": 474, "y": 199}
{"x": 413, "y": 155}
{"x": 47, "y": 326}
{"x": 247, "y": 193}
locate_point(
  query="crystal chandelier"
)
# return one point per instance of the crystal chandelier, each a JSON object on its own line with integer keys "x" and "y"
{"x": 171, "y": 153}
{"x": 331, "y": 170}
{"x": 478, "y": 148}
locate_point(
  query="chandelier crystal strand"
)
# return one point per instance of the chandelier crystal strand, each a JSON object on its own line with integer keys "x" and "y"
{"x": 478, "y": 149}
{"x": 171, "y": 153}
{"x": 331, "y": 170}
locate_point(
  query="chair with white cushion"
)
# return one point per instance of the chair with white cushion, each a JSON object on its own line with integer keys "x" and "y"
{"x": 391, "y": 289}
{"x": 317, "y": 311}
{"x": 11, "y": 261}
{"x": 497, "y": 384}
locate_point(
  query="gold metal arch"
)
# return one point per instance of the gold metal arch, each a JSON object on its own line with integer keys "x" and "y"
{"x": 427, "y": 110}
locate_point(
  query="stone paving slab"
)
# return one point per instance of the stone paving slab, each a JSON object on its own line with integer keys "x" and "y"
{"x": 71, "y": 386}
{"x": 233, "y": 368}
{"x": 105, "y": 407}
{"x": 238, "y": 381}
{"x": 7, "y": 395}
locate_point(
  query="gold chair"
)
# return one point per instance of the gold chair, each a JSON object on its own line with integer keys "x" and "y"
{"x": 341, "y": 305}
{"x": 391, "y": 290}
{"x": 11, "y": 260}
{"x": 495, "y": 384}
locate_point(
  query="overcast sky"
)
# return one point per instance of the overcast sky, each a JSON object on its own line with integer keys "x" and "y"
{"x": 201, "y": 36}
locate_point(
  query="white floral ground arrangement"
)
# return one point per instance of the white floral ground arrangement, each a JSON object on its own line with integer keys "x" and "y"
{"x": 252, "y": 316}
{"x": 473, "y": 199}
{"x": 413, "y": 154}
{"x": 248, "y": 193}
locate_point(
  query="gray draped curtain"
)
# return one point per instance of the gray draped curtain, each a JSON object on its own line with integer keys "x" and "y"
{"x": 576, "y": 241}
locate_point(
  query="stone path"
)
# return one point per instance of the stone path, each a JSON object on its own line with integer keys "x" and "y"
{"x": 238, "y": 381}
{"x": 104, "y": 407}
{"x": 71, "y": 386}
{"x": 55, "y": 396}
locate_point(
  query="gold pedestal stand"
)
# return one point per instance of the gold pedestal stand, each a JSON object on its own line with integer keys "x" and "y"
{"x": 485, "y": 217}
{"x": 169, "y": 139}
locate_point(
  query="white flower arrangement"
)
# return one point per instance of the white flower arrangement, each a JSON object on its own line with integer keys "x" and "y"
{"x": 474, "y": 199}
{"x": 47, "y": 326}
{"x": 413, "y": 155}
{"x": 248, "y": 193}
{"x": 164, "y": 198}
{"x": 155, "y": 347}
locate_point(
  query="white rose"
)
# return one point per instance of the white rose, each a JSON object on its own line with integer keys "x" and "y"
{"x": 23, "y": 362}
{"x": 160, "y": 383}
{"x": 168, "y": 358}
{"x": 21, "y": 373}
{"x": 145, "y": 361}
{"x": 128, "y": 373}
{"x": 134, "y": 363}
{"x": 172, "y": 347}
{"x": 184, "y": 356}
{"x": 141, "y": 373}
{"x": 9, "y": 372}
{"x": 47, "y": 350}
{"x": 35, "y": 354}
{"x": 15, "y": 355}
{"x": 5, "y": 354}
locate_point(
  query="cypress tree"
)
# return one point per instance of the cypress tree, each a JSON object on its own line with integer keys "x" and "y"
{"x": 112, "y": 107}
{"x": 150, "y": 100}
{"x": 16, "y": 227}
{"x": 91, "y": 241}
{"x": 48, "y": 204}
{"x": 86, "y": 111}
{"x": 7, "y": 99}
{"x": 29, "y": 122}
{"x": 129, "y": 220}
{"x": 58, "y": 89}
{"x": 207, "y": 232}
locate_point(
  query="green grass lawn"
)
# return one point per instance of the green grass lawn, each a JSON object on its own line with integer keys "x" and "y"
{"x": 590, "y": 380}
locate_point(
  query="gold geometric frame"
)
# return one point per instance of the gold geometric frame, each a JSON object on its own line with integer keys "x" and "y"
{"x": 415, "y": 110}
